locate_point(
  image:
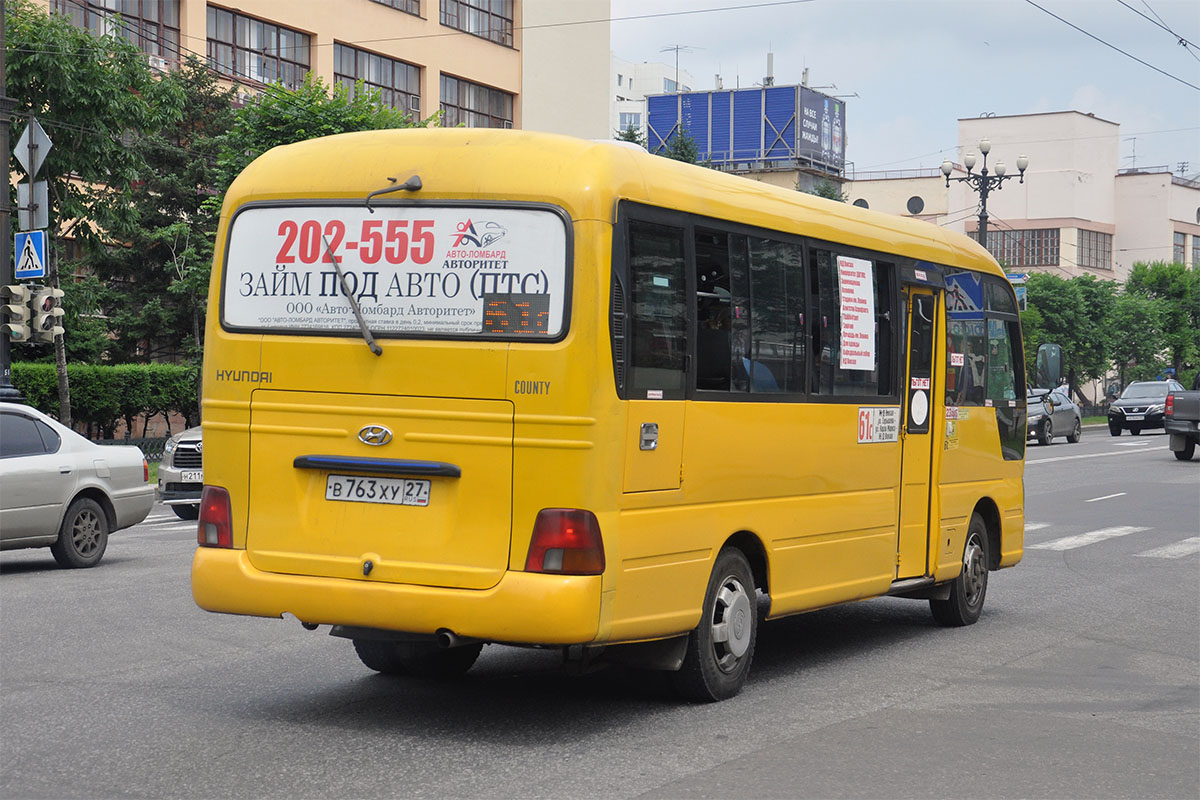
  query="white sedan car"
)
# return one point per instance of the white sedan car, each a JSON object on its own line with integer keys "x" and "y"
{"x": 61, "y": 491}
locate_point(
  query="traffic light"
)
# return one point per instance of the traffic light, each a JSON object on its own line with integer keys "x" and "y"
{"x": 47, "y": 314}
{"x": 16, "y": 312}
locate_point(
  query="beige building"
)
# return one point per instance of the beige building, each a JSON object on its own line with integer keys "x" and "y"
{"x": 484, "y": 63}
{"x": 1076, "y": 212}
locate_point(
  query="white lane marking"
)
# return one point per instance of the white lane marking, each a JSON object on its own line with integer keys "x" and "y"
{"x": 1130, "y": 444}
{"x": 1035, "y": 526}
{"x": 1093, "y": 455}
{"x": 1106, "y": 497}
{"x": 1186, "y": 547}
{"x": 1091, "y": 537}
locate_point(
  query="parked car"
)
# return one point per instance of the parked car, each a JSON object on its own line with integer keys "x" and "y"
{"x": 1053, "y": 413}
{"x": 1140, "y": 407}
{"x": 62, "y": 491}
{"x": 181, "y": 473}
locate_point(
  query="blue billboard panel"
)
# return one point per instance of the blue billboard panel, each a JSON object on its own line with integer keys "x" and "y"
{"x": 774, "y": 126}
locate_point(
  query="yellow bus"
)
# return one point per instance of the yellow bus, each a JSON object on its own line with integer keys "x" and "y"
{"x": 466, "y": 387}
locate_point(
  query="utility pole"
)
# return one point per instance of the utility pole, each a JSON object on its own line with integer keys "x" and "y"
{"x": 8, "y": 392}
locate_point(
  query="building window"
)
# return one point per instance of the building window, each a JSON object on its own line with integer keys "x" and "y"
{"x": 407, "y": 6}
{"x": 620, "y": 79}
{"x": 1195, "y": 252}
{"x": 152, "y": 25}
{"x": 669, "y": 85}
{"x": 630, "y": 121}
{"x": 1095, "y": 249}
{"x": 490, "y": 19}
{"x": 244, "y": 47}
{"x": 1026, "y": 248}
{"x": 475, "y": 106}
{"x": 1180, "y": 248}
{"x": 398, "y": 82}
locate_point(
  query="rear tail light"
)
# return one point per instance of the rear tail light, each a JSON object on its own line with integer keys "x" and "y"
{"x": 1170, "y": 412}
{"x": 145, "y": 470}
{"x": 566, "y": 541}
{"x": 216, "y": 518}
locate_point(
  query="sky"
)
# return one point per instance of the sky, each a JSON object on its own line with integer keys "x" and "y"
{"x": 917, "y": 66}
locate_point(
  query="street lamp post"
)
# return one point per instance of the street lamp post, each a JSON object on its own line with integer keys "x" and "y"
{"x": 982, "y": 182}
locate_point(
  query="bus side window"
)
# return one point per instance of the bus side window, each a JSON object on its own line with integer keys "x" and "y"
{"x": 714, "y": 321}
{"x": 658, "y": 315}
{"x": 776, "y": 360}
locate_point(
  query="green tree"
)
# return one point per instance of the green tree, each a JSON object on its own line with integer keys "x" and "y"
{"x": 159, "y": 274}
{"x": 94, "y": 95}
{"x": 282, "y": 116}
{"x": 631, "y": 134}
{"x": 680, "y": 147}
{"x": 1137, "y": 337}
{"x": 1176, "y": 289}
{"x": 826, "y": 188}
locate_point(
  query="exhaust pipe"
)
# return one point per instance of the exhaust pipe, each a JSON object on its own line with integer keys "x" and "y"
{"x": 447, "y": 638}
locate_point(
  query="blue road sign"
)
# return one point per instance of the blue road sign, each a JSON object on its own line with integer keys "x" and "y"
{"x": 29, "y": 249}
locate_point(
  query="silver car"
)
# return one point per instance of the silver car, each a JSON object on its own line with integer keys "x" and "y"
{"x": 181, "y": 473}
{"x": 61, "y": 491}
{"x": 1053, "y": 413}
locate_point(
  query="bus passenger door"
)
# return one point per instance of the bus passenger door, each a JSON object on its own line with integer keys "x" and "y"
{"x": 920, "y": 412}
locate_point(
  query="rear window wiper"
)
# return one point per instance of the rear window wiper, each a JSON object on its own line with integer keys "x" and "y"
{"x": 368, "y": 337}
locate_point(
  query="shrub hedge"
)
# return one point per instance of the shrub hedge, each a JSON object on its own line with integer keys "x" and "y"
{"x": 103, "y": 394}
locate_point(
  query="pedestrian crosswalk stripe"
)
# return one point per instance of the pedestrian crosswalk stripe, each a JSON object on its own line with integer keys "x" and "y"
{"x": 1035, "y": 526}
{"x": 1091, "y": 537}
{"x": 1186, "y": 547}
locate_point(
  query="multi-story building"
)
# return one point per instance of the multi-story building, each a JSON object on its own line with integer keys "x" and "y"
{"x": 470, "y": 58}
{"x": 1077, "y": 211}
{"x": 629, "y": 86}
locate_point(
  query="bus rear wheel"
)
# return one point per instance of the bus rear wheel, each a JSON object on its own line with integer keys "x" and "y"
{"x": 721, "y": 647}
{"x": 418, "y": 659}
{"x": 967, "y": 592}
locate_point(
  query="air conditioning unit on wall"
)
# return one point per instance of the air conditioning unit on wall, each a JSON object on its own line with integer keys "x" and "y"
{"x": 157, "y": 63}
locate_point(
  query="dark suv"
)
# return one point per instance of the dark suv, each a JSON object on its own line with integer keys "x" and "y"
{"x": 1140, "y": 406}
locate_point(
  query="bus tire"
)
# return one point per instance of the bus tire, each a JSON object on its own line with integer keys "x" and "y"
{"x": 418, "y": 659}
{"x": 721, "y": 647}
{"x": 969, "y": 589}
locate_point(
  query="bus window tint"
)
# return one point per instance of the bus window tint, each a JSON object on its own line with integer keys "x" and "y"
{"x": 776, "y": 361}
{"x": 869, "y": 287}
{"x": 1001, "y": 383}
{"x": 659, "y": 316}
{"x": 1000, "y": 298}
{"x": 966, "y": 348}
{"x": 739, "y": 289}
{"x": 714, "y": 320}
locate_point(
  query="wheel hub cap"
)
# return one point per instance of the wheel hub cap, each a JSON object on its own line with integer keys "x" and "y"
{"x": 732, "y": 623}
{"x": 974, "y": 571}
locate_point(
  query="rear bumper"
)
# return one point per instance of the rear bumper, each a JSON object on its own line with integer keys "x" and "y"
{"x": 1182, "y": 427}
{"x": 523, "y": 608}
{"x": 133, "y": 506}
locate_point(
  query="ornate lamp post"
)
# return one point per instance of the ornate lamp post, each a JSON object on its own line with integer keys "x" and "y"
{"x": 982, "y": 182}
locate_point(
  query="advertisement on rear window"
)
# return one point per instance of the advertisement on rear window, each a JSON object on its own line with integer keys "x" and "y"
{"x": 491, "y": 272}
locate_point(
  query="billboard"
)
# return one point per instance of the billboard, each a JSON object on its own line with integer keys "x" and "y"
{"x": 777, "y": 127}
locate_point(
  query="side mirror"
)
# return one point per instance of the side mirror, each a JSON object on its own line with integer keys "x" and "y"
{"x": 1049, "y": 366}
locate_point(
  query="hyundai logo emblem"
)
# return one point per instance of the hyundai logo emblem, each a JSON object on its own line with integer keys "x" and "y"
{"x": 374, "y": 435}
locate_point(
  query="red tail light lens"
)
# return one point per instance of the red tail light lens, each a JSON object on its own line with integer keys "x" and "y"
{"x": 216, "y": 518}
{"x": 1170, "y": 412}
{"x": 566, "y": 541}
{"x": 145, "y": 470}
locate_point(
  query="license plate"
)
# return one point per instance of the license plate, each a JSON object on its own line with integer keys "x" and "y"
{"x": 390, "y": 491}
{"x": 1135, "y": 417}
{"x": 192, "y": 476}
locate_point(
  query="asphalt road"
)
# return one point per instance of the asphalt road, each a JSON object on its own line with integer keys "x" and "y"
{"x": 1082, "y": 679}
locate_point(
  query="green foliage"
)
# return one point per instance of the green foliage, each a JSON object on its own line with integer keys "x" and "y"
{"x": 631, "y": 134}
{"x": 826, "y": 188}
{"x": 103, "y": 394}
{"x": 1176, "y": 289}
{"x": 680, "y": 147}
{"x": 94, "y": 95}
{"x": 1137, "y": 337}
{"x": 282, "y": 116}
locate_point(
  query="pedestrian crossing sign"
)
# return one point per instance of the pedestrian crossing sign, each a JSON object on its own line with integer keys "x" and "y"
{"x": 29, "y": 249}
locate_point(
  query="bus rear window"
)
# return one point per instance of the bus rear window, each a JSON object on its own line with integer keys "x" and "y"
{"x": 459, "y": 272}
